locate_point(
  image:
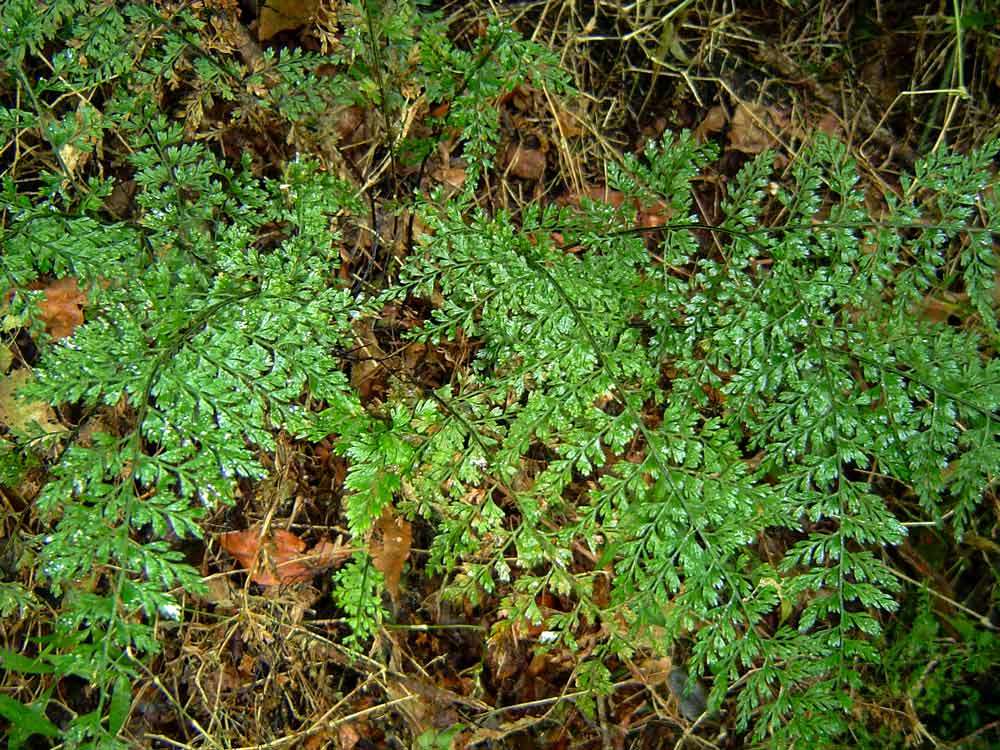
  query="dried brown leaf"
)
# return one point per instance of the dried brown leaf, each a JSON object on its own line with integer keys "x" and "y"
{"x": 368, "y": 359}
{"x": 526, "y": 163}
{"x": 348, "y": 121}
{"x": 62, "y": 308}
{"x": 281, "y": 556}
{"x": 348, "y": 736}
{"x": 568, "y": 123}
{"x": 748, "y": 131}
{"x": 713, "y": 122}
{"x": 284, "y": 15}
{"x": 390, "y": 548}
{"x": 451, "y": 176}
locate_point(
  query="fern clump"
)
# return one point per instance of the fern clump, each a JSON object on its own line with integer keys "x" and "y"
{"x": 784, "y": 381}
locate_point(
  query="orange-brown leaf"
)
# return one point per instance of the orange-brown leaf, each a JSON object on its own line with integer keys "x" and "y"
{"x": 62, "y": 308}
{"x": 568, "y": 124}
{"x": 390, "y": 548}
{"x": 753, "y": 128}
{"x": 243, "y": 545}
{"x": 280, "y": 557}
{"x": 714, "y": 122}
{"x": 283, "y": 15}
{"x": 526, "y": 163}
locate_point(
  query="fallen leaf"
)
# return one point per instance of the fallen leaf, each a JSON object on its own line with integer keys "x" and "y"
{"x": 651, "y": 672}
{"x": 451, "y": 176}
{"x": 568, "y": 124}
{"x": 604, "y": 194}
{"x": 281, "y": 556}
{"x": 713, "y": 122}
{"x": 439, "y": 110}
{"x": 749, "y": 129}
{"x": 243, "y": 545}
{"x": 506, "y": 655}
{"x": 656, "y": 214}
{"x": 939, "y": 309}
{"x": 346, "y": 123}
{"x": 368, "y": 359}
{"x": 283, "y": 15}
{"x": 62, "y": 308}
{"x": 390, "y": 548}
{"x": 119, "y": 203}
{"x": 526, "y": 163}
{"x": 348, "y": 736}
{"x": 21, "y": 415}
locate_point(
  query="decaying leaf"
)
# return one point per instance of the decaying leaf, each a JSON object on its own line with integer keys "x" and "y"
{"x": 526, "y": 163}
{"x": 283, "y": 15}
{"x": 601, "y": 193}
{"x": 280, "y": 557}
{"x": 347, "y": 121}
{"x": 454, "y": 177}
{"x": 568, "y": 123}
{"x": 655, "y": 214}
{"x": 368, "y": 360}
{"x": 20, "y": 415}
{"x": 752, "y": 128}
{"x": 62, "y": 308}
{"x": 652, "y": 671}
{"x": 348, "y": 736}
{"x": 713, "y": 122}
{"x": 390, "y": 548}
{"x": 940, "y": 307}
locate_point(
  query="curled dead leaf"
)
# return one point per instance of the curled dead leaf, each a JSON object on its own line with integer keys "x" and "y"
{"x": 62, "y": 308}
{"x": 284, "y": 15}
{"x": 655, "y": 214}
{"x": 526, "y": 163}
{"x": 280, "y": 557}
{"x": 72, "y": 158}
{"x": 452, "y": 176}
{"x": 390, "y": 548}
{"x": 753, "y": 128}
{"x": 713, "y": 122}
